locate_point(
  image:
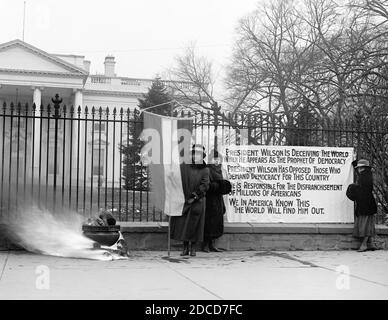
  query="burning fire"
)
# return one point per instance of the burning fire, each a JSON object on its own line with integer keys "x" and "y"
{"x": 43, "y": 232}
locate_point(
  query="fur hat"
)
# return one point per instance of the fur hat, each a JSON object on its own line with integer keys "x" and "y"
{"x": 198, "y": 148}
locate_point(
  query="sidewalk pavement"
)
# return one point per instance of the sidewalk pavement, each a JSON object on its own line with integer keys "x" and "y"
{"x": 227, "y": 275}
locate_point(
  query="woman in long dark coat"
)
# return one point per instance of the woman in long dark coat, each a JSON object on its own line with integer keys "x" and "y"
{"x": 215, "y": 206}
{"x": 189, "y": 227}
{"x": 366, "y": 208}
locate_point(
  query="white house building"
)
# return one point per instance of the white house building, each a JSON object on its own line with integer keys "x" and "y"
{"x": 31, "y": 75}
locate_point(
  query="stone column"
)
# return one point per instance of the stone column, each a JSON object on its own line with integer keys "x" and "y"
{"x": 37, "y": 99}
{"x": 1, "y": 125}
{"x": 1, "y": 100}
{"x": 78, "y": 97}
{"x": 78, "y": 102}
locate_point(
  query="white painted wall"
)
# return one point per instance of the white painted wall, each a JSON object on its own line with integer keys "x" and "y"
{"x": 77, "y": 60}
{"x": 19, "y": 58}
{"x": 98, "y": 100}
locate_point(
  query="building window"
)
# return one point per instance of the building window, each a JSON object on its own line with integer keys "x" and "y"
{"x": 99, "y": 127}
{"x": 52, "y": 127}
{"x": 51, "y": 160}
{"x": 16, "y": 144}
{"x": 18, "y": 123}
{"x": 98, "y": 162}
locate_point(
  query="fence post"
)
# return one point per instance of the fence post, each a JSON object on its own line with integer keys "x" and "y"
{"x": 216, "y": 113}
{"x": 57, "y": 101}
{"x": 358, "y": 131}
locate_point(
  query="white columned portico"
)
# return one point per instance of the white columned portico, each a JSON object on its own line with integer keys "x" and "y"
{"x": 78, "y": 99}
{"x": 78, "y": 102}
{"x": 37, "y": 100}
{"x": 1, "y": 124}
{"x": 37, "y": 97}
{"x": 1, "y": 100}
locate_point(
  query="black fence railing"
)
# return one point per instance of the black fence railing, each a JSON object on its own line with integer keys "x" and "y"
{"x": 87, "y": 159}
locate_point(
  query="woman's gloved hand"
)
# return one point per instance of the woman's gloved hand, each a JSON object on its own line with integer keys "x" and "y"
{"x": 193, "y": 197}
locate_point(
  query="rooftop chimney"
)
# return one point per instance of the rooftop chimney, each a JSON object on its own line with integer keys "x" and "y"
{"x": 110, "y": 66}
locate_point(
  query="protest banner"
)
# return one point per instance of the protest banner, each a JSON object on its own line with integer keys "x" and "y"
{"x": 289, "y": 184}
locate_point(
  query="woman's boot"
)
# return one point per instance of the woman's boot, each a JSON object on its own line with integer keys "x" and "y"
{"x": 212, "y": 247}
{"x": 185, "y": 251}
{"x": 363, "y": 246}
{"x": 205, "y": 246}
{"x": 370, "y": 244}
{"x": 193, "y": 252}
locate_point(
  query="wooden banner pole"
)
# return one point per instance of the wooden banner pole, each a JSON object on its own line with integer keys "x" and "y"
{"x": 169, "y": 233}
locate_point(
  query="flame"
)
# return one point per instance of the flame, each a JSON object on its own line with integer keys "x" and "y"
{"x": 41, "y": 231}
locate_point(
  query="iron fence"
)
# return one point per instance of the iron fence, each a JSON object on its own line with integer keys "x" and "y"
{"x": 81, "y": 158}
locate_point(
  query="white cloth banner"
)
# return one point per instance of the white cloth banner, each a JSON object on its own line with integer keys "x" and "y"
{"x": 288, "y": 184}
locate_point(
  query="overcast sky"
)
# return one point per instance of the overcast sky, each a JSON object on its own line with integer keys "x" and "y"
{"x": 143, "y": 35}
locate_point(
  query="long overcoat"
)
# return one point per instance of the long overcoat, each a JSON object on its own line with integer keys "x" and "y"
{"x": 215, "y": 206}
{"x": 190, "y": 226}
{"x": 365, "y": 201}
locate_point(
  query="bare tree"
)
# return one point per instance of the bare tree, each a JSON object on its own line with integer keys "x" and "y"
{"x": 318, "y": 53}
{"x": 197, "y": 72}
{"x": 270, "y": 57}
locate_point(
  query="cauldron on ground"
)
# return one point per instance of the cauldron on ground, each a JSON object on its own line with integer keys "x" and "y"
{"x": 104, "y": 235}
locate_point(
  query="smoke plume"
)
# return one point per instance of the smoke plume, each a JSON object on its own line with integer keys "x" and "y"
{"x": 56, "y": 234}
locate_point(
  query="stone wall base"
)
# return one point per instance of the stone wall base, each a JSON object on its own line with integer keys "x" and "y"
{"x": 245, "y": 236}
{"x": 248, "y": 236}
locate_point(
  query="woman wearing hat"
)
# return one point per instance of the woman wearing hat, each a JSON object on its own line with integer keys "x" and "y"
{"x": 215, "y": 206}
{"x": 189, "y": 227}
{"x": 366, "y": 208}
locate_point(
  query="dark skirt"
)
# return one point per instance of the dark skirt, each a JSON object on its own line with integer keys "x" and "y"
{"x": 214, "y": 225}
{"x": 189, "y": 226}
{"x": 364, "y": 226}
